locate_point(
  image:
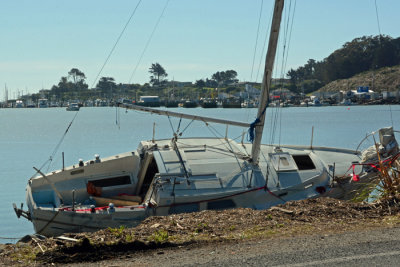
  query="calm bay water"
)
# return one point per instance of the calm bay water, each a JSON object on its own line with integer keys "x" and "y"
{"x": 28, "y": 138}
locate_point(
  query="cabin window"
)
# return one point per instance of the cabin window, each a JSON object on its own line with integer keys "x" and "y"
{"x": 194, "y": 207}
{"x": 304, "y": 162}
{"x": 284, "y": 161}
{"x": 121, "y": 180}
{"x": 221, "y": 204}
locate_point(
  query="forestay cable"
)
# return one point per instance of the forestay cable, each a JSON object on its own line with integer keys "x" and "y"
{"x": 115, "y": 44}
{"x": 69, "y": 126}
{"x": 377, "y": 18}
{"x": 57, "y": 147}
{"x": 255, "y": 46}
{"x": 148, "y": 41}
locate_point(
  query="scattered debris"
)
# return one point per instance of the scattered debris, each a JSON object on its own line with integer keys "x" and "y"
{"x": 305, "y": 217}
{"x": 67, "y": 238}
{"x": 282, "y": 209}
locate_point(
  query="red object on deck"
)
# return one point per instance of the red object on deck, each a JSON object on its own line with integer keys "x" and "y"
{"x": 356, "y": 178}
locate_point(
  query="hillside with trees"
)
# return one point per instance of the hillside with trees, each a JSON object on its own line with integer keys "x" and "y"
{"x": 384, "y": 79}
{"x": 367, "y": 53}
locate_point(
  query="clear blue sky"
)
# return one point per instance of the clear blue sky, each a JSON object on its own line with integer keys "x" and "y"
{"x": 42, "y": 40}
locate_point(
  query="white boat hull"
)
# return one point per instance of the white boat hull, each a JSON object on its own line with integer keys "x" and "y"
{"x": 202, "y": 176}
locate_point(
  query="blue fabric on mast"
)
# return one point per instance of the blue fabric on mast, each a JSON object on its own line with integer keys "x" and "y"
{"x": 253, "y": 125}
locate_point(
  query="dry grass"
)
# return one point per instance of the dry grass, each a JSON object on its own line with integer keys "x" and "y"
{"x": 385, "y": 79}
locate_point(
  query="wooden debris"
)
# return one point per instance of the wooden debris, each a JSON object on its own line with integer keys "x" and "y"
{"x": 61, "y": 237}
{"x": 282, "y": 210}
{"x": 156, "y": 225}
{"x": 37, "y": 243}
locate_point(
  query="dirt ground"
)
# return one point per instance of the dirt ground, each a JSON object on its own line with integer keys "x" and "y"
{"x": 206, "y": 228}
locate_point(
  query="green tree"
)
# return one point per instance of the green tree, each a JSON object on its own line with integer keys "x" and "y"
{"x": 225, "y": 77}
{"x": 158, "y": 74}
{"x": 200, "y": 83}
{"x": 107, "y": 86}
{"x": 76, "y": 75}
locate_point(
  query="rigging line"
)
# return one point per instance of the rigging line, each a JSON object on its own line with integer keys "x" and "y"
{"x": 115, "y": 44}
{"x": 279, "y": 81}
{"x": 225, "y": 151}
{"x": 391, "y": 115}
{"x": 170, "y": 123}
{"x": 256, "y": 43}
{"x": 274, "y": 118}
{"x": 280, "y": 85}
{"x": 187, "y": 127}
{"x": 148, "y": 41}
{"x": 229, "y": 148}
{"x": 377, "y": 18}
{"x": 268, "y": 164}
{"x": 380, "y": 35}
{"x": 198, "y": 146}
{"x": 233, "y": 152}
{"x": 284, "y": 59}
{"x": 380, "y": 43}
{"x": 285, "y": 42}
{"x": 276, "y": 122}
{"x": 215, "y": 132}
{"x": 193, "y": 146}
{"x": 288, "y": 43}
{"x": 179, "y": 125}
{"x": 41, "y": 167}
{"x": 59, "y": 144}
{"x": 117, "y": 117}
{"x": 290, "y": 33}
{"x": 264, "y": 45}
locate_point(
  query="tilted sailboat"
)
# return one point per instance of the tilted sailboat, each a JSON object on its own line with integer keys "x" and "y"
{"x": 181, "y": 175}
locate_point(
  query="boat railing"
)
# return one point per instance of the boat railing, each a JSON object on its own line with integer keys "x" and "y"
{"x": 368, "y": 135}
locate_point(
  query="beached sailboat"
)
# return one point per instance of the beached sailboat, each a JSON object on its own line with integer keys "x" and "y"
{"x": 181, "y": 175}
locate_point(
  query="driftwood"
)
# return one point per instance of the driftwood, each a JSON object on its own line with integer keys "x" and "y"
{"x": 282, "y": 210}
{"x": 65, "y": 238}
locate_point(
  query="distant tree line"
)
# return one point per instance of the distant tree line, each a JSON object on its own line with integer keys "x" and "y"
{"x": 359, "y": 55}
{"x": 220, "y": 78}
{"x": 73, "y": 86}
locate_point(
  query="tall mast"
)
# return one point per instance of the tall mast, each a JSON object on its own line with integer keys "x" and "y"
{"x": 269, "y": 64}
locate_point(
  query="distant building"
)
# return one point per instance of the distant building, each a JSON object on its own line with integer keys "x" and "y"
{"x": 148, "y": 98}
{"x": 280, "y": 81}
{"x": 149, "y": 101}
{"x": 250, "y": 92}
{"x": 388, "y": 95}
{"x": 323, "y": 95}
{"x": 178, "y": 84}
{"x": 363, "y": 92}
{"x": 223, "y": 95}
